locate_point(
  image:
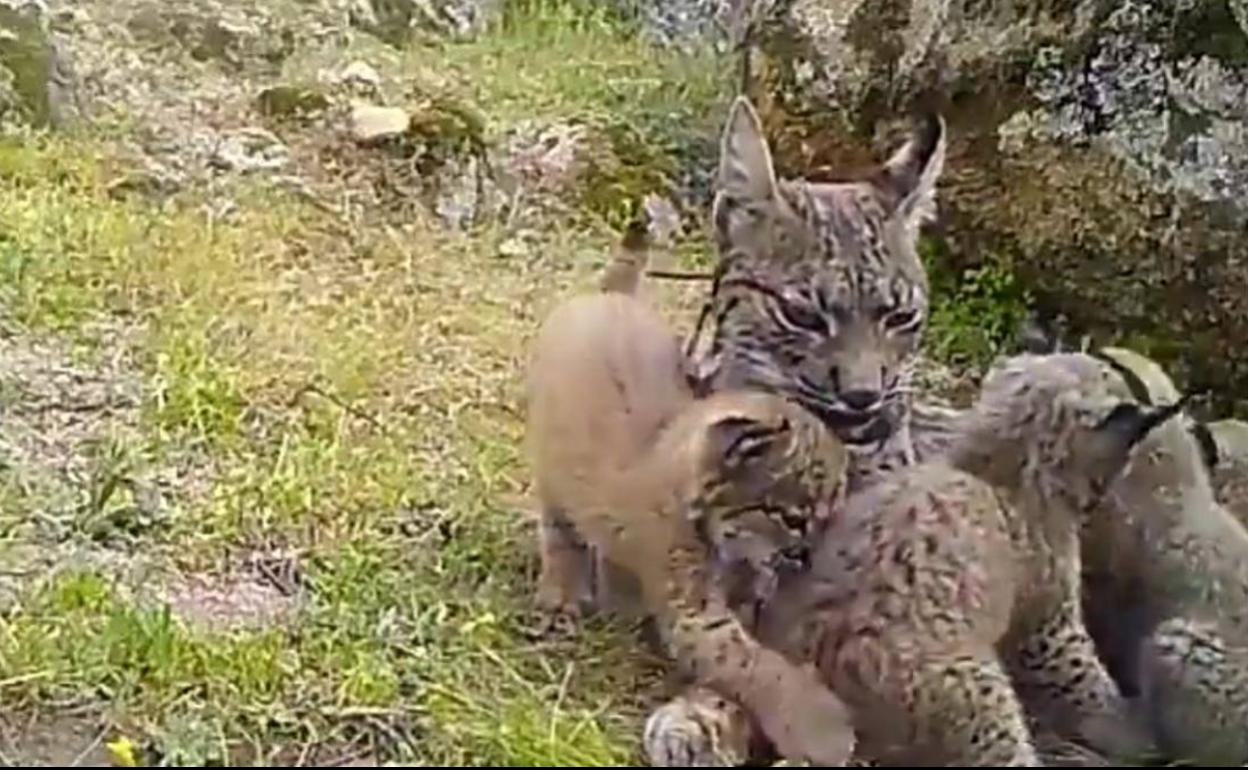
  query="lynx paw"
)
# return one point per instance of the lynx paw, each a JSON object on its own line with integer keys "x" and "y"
{"x": 697, "y": 729}
{"x": 554, "y": 622}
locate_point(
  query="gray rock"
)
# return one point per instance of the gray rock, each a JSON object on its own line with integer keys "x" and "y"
{"x": 1099, "y": 147}
{"x": 39, "y": 85}
{"x": 371, "y": 123}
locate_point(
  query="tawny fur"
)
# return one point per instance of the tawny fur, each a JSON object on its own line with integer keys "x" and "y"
{"x": 605, "y": 376}
{"x": 1167, "y": 589}
{"x": 949, "y": 593}
{"x": 690, "y": 498}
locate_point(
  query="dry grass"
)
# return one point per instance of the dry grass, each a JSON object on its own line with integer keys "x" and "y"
{"x": 328, "y": 412}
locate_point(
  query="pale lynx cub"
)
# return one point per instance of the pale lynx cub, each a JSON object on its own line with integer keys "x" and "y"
{"x": 1166, "y": 570}
{"x": 703, "y": 503}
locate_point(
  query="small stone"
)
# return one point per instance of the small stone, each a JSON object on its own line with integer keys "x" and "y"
{"x": 513, "y": 248}
{"x": 371, "y": 123}
{"x": 285, "y": 101}
{"x": 361, "y": 73}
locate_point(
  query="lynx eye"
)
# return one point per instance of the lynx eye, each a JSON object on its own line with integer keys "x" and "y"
{"x": 793, "y": 521}
{"x": 802, "y": 317}
{"x": 901, "y": 319}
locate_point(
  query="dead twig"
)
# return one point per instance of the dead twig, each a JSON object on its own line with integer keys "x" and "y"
{"x": 354, "y": 411}
{"x": 679, "y": 275}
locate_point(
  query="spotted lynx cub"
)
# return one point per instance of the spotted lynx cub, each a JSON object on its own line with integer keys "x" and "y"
{"x": 704, "y": 503}
{"x": 949, "y": 592}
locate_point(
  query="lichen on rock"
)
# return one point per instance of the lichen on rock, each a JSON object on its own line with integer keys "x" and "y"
{"x": 1099, "y": 149}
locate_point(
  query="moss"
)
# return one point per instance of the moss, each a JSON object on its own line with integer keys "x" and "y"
{"x": 287, "y": 101}
{"x": 447, "y": 127}
{"x": 976, "y": 310}
{"x": 614, "y": 183}
{"x": 1209, "y": 28}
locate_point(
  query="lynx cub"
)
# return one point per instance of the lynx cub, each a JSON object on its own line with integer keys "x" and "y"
{"x": 1166, "y": 568}
{"x": 704, "y": 503}
{"x": 949, "y": 593}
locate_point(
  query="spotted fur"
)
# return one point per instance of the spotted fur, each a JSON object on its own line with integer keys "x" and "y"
{"x": 949, "y": 593}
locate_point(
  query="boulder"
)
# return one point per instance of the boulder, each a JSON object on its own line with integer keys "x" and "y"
{"x": 1099, "y": 149}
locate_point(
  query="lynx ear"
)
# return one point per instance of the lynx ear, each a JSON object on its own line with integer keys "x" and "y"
{"x": 1129, "y": 423}
{"x": 745, "y": 169}
{"x": 909, "y": 178}
{"x": 734, "y": 441}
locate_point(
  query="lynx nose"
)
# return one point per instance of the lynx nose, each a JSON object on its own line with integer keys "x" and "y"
{"x": 862, "y": 400}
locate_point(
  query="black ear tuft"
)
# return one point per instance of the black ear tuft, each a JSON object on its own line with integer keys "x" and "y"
{"x": 909, "y": 177}
{"x": 1133, "y": 423}
{"x": 1136, "y": 385}
{"x": 1209, "y": 451}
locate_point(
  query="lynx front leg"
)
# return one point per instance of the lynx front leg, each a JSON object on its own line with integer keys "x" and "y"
{"x": 1058, "y": 673}
{"x": 1195, "y": 693}
{"x": 565, "y": 588}
{"x": 801, "y": 717}
{"x": 698, "y": 728}
{"x": 965, "y": 707}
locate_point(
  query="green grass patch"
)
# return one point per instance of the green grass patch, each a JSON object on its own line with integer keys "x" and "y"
{"x": 976, "y": 311}
{"x": 361, "y": 410}
{"x": 347, "y": 394}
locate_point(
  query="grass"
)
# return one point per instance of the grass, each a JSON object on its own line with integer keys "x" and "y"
{"x": 351, "y": 397}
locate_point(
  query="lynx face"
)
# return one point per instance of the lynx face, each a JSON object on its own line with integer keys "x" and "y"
{"x": 770, "y": 474}
{"x": 820, "y": 295}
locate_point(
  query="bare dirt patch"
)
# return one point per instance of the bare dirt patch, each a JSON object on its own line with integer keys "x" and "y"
{"x": 60, "y": 742}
